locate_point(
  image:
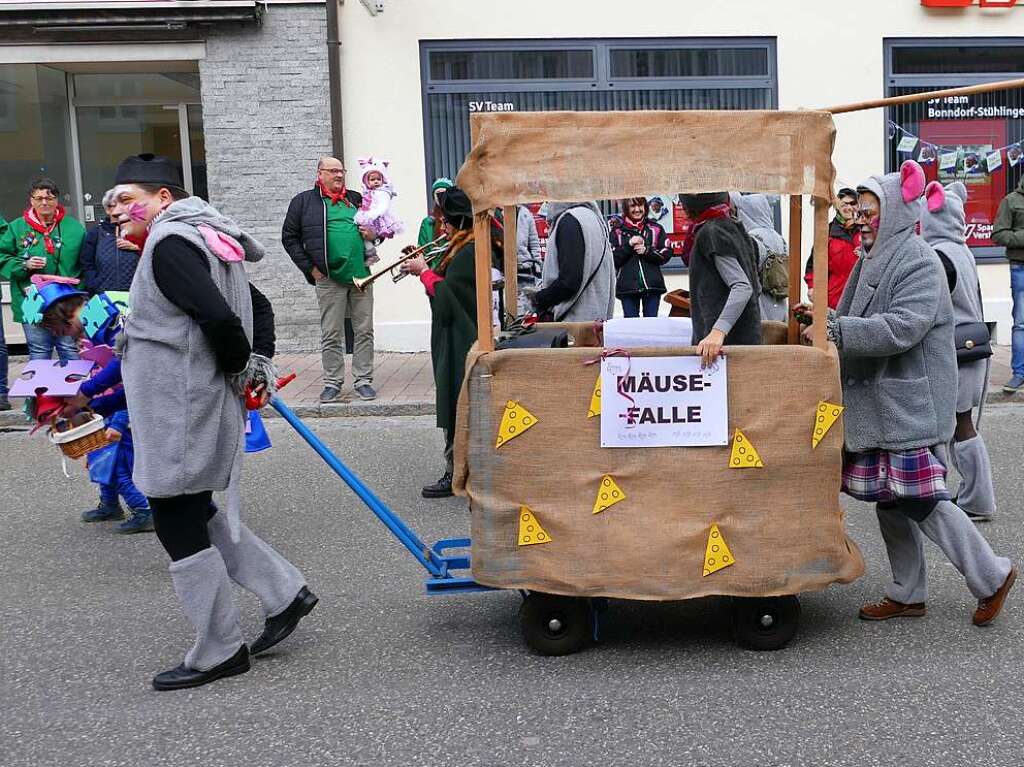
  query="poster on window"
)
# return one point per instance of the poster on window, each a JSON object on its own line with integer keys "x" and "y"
{"x": 975, "y": 141}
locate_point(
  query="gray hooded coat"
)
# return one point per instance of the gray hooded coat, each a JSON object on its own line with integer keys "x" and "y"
{"x": 945, "y": 230}
{"x": 187, "y": 421}
{"x": 755, "y": 213}
{"x": 894, "y": 331}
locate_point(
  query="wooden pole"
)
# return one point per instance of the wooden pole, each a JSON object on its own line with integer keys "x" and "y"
{"x": 914, "y": 98}
{"x": 482, "y": 243}
{"x": 511, "y": 261}
{"x": 796, "y": 211}
{"x": 820, "y": 272}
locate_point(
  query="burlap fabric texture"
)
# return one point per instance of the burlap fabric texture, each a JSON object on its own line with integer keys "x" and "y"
{"x": 783, "y": 523}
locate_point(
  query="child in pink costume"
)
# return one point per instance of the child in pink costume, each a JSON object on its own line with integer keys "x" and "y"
{"x": 376, "y": 213}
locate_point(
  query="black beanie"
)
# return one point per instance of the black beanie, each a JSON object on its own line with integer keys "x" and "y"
{"x": 695, "y": 204}
{"x": 456, "y": 208}
{"x": 148, "y": 169}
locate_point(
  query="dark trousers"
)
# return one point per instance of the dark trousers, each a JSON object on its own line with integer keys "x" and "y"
{"x": 180, "y": 523}
{"x": 631, "y": 305}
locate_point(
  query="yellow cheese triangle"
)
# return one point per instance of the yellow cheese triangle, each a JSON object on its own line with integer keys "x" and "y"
{"x": 717, "y": 554}
{"x": 530, "y": 531}
{"x": 608, "y": 494}
{"x": 824, "y": 418}
{"x": 595, "y": 400}
{"x": 514, "y": 422}
{"x": 744, "y": 455}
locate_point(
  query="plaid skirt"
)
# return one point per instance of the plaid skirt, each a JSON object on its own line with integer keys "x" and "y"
{"x": 890, "y": 475}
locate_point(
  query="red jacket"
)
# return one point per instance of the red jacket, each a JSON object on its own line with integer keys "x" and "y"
{"x": 842, "y": 257}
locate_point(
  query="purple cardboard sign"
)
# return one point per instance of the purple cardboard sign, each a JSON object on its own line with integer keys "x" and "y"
{"x": 51, "y": 377}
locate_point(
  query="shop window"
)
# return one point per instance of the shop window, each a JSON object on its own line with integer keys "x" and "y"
{"x": 689, "y": 62}
{"x": 974, "y": 139}
{"x": 34, "y": 133}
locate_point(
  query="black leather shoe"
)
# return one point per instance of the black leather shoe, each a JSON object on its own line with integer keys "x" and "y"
{"x": 284, "y": 623}
{"x": 440, "y": 489}
{"x": 182, "y": 678}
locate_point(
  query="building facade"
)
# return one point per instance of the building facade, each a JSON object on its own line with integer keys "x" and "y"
{"x": 238, "y": 90}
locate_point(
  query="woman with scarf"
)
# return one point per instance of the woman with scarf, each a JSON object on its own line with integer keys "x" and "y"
{"x": 45, "y": 240}
{"x": 196, "y": 340}
{"x": 724, "y": 287}
{"x": 640, "y": 250}
{"x": 451, "y": 286}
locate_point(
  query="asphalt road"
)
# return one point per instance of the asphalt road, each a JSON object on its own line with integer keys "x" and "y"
{"x": 380, "y": 674}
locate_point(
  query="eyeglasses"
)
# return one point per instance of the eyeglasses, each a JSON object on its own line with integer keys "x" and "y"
{"x": 333, "y": 171}
{"x": 43, "y": 198}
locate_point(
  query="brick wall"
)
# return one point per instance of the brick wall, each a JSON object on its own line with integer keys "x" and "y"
{"x": 267, "y": 119}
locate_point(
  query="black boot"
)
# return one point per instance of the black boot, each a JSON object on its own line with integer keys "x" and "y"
{"x": 281, "y": 625}
{"x": 182, "y": 677}
{"x": 440, "y": 489}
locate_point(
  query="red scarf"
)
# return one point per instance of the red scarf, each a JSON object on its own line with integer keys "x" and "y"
{"x": 335, "y": 198}
{"x": 722, "y": 210}
{"x": 33, "y": 221}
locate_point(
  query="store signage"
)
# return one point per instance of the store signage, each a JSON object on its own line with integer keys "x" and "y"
{"x": 969, "y": 3}
{"x": 491, "y": 106}
{"x": 963, "y": 107}
{"x": 663, "y": 402}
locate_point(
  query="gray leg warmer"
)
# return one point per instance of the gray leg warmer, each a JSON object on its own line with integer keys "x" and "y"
{"x": 202, "y": 584}
{"x": 906, "y": 557}
{"x": 977, "y": 493}
{"x": 949, "y": 528}
{"x": 255, "y": 566}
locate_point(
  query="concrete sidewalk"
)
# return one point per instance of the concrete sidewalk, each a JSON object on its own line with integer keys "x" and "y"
{"x": 405, "y": 386}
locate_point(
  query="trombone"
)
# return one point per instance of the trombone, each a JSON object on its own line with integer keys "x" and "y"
{"x": 361, "y": 283}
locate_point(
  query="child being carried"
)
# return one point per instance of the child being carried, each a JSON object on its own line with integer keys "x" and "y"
{"x": 376, "y": 213}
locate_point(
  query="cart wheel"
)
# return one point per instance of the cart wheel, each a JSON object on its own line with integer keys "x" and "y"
{"x": 765, "y": 623}
{"x": 555, "y": 625}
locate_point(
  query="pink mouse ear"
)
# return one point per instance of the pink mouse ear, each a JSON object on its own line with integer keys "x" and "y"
{"x": 935, "y": 195}
{"x": 912, "y": 180}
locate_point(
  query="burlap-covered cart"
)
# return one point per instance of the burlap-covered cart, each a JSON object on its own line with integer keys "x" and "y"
{"x": 676, "y": 522}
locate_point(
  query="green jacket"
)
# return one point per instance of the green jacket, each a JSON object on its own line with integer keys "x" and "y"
{"x": 1008, "y": 229}
{"x": 426, "y": 231}
{"x": 19, "y": 241}
{"x": 453, "y": 332}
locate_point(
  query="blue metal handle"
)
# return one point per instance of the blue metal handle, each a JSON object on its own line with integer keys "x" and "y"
{"x": 426, "y": 556}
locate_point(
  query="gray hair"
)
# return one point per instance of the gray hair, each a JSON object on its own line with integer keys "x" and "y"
{"x": 108, "y": 197}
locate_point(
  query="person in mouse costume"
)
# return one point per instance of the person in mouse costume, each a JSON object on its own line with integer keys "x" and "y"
{"x": 187, "y": 359}
{"x": 944, "y": 227}
{"x": 893, "y": 329}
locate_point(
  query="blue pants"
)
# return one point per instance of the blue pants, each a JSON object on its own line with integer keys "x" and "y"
{"x": 1017, "y": 340}
{"x": 3, "y": 358}
{"x": 631, "y": 305}
{"x": 41, "y": 343}
{"x": 122, "y": 484}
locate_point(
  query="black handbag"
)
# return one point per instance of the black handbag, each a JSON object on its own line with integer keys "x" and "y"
{"x": 973, "y": 342}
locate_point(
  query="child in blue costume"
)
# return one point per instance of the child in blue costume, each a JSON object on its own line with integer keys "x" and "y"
{"x": 100, "y": 321}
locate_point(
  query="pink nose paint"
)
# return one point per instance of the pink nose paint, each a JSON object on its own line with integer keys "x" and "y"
{"x": 137, "y": 211}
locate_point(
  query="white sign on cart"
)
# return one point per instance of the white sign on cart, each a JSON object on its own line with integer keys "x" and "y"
{"x": 663, "y": 402}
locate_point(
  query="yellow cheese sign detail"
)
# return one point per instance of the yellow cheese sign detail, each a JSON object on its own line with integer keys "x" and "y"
{"x": 514, "y": 422}
{"x": 608, "y": 494}
{"x": 595, "y": 400}
{"x": 744, "y": 455}
{"x": 530, "y": 531}
{"x": 824, "y": 418}
{"x": 717, "y": 554}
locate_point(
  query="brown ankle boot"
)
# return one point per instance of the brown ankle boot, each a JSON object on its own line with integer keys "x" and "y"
{"x": 890, "y": 608}
{"x": 989, "y": 607}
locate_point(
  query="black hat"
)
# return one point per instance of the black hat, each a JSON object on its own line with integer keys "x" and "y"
{"x": 846, "y": 192}
{"x": 148, "y": 169}
{"x": 456, "y": 208}
{"x": 696, "y": 204}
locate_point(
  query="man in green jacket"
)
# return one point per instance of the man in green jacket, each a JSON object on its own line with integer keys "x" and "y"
{"x": 1008, "y": 231}
{"x": 42, "y": 241}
